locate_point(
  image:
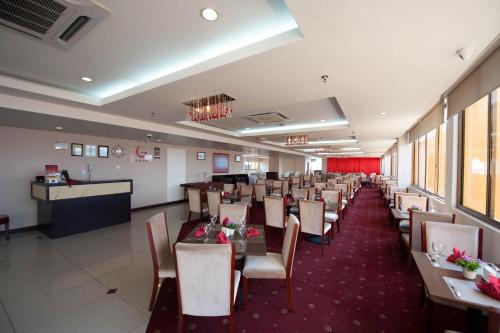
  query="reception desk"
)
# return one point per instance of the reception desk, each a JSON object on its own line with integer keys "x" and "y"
{"x": 65, "y": 210}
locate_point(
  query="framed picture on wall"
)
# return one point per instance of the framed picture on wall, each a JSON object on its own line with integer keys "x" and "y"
{"x": 90, "y": 150}
{"x": 237, "y": 158}
{"x": 221, "y": 163}
{"x": 103, "y": 151}
{"x": 76, "y": 149}
{"x": 200, "y": 155}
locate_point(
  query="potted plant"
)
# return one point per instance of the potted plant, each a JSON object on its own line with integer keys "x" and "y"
{"x": 469, "y": 266}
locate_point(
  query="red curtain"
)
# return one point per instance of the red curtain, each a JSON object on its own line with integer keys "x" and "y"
{"x": 354, "y": 164}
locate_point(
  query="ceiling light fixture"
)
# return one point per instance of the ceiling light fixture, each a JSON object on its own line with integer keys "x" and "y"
{"x": 382, "y": 113}
{"x": 295, "y": 140}
{"x": 322, "y": 120}
{"x": 247, "y": 128}
{"x": 59, "y": 128}
{"x": 210, "y": 108}
{"x": 209, "y": 14}
{"x": 464, "y": 53}
{"x": 283, "y": 128}
{"x": 86, "y": 78}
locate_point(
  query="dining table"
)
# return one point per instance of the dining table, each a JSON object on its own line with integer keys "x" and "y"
{"x": 398, "y": 216}
{"x": 445, "y": 284}
{"x": 255, "y": 246}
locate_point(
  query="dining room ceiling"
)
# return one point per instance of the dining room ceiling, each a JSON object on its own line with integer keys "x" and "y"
{"x": 392, "y": 57}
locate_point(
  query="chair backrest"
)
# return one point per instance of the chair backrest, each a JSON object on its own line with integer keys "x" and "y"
{"x": 295, "y": 181}
{"x": 214, "y": 198}
{"x": 194, "y": 196}
{"x": 398, "y": 195}
{"x": 205, "y": 278}
{"x": 260, "y": 192}
{"x": 341, "y": 187}
{"x": 285, "y": 186}
{"x": 312, "y": 217}
{"x": 240, "y": 184}
{"x": 320, "y": 186}
{"x": 331, "y": 197}
{"x": 278, "y": 184}
{"x": 261, "y": 182}
{"x": 246, "y": 189}
{"x": 289, "y": 243}
{"x": 311, "y": 193}
{"x": 465, "y": 237}
{"x": 416, "y": 219}
{"x": 409, "y": 201}
{"x": 235, "y": 213}
{"x": 159, "y": 242}
{"x": 228, "y": 187}
{"x": 275, "y": 211}
{"x": 391, "y": 189}
{"x": 300, "y": 193}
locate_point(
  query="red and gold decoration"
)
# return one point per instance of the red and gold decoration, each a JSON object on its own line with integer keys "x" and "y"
{"x": 295, "y": 140}
{"x": 210, "y": 108}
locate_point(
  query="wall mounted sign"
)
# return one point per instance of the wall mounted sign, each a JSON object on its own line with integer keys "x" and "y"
{"x": 118, "y": 151}
{"x": 237, "y": 158}
{"x": 156, "y": 154}
{"x": 90, "y": 150}
{"x": 140, "y": 156}
{"x": 200, "y": 155}
{"x": 103, "y": 151}
{"x": 221, "y": 163}
{"x": 60, "y": 146}
{"x": 76, "y": 149}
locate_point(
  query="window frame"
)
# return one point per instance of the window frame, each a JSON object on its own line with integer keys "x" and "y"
{"x": 460, "y": 183}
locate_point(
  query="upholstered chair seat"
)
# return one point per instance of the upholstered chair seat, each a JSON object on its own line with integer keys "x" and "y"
{"x": 294, "y": 210}
{"x": 331, "y": 217}
{"x": 269, "y": 266}
{"x": 274, "y": 265}
{"x": 404, "y": 226}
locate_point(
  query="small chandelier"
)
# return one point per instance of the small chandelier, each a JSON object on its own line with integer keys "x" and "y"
{"x": 210, "y": 108}
{"x": 295, "y": 140}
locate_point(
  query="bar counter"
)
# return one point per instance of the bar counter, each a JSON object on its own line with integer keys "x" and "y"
{"x": 65, "y": 210}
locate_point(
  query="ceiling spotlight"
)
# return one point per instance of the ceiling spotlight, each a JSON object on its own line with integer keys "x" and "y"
{"x": 86, "y": 79}
{"x": 159, "y": 140}
{"x": 59, "y": 128}
{"x": 324, "y": 78}
{"x": 322, "y": 120}
{"x": 209, "y": 14}
{"x": 247, "y": 128}
{"x": 382, "y": 113}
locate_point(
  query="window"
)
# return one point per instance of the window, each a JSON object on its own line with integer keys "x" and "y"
{"x": 441, "y": 160}
{"x": 429, "y": 161}
{"x": 475, "y": 156}
{"x": 480, "y": 188}
{"x": 251, "y": 165}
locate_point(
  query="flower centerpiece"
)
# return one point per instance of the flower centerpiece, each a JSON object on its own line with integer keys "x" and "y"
{"x": 228, "y": 227}
{"x": 414, "y": 208}
{"x": 469, "y": 266}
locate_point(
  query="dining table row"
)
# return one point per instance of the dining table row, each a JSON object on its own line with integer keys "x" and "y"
{"x": 448, "y": 256}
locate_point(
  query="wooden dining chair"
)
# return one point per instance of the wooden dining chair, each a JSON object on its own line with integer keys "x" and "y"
{"x": 274, "y": 208}
{"x": 278, "y": 187}
{"x": 235, "y": 213}
{"x": 250, "y": 191}
{"x": 207, "y": 282}
{"x": 412, "y": 239}
{"x": 214, "y": 198}
{"x": 159, "y": 245}
{"x": 274, "y": 265}
{"x": 260, "y": 192}
{"x": 195, "y": 203}
{"x": 312, "y": 217}
{"x": 332, "y": 214}
{"x": 465, "y": 237}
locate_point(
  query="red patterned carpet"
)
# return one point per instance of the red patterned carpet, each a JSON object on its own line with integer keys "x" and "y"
{"x": 360, "y": 285}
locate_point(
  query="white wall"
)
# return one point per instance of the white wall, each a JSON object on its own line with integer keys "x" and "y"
{"x": 404, "y": 158}
{"x": 25, "y": 152}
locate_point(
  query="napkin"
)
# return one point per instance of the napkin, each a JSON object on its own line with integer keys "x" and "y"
{"x": 200, "y": 232}
{"x": 226, "y": 221}
{"x": 490, "y": 287}
{"x": 221, "y": 238}
{"x": 252, "y": 232}
{"x": 455, "y": 255}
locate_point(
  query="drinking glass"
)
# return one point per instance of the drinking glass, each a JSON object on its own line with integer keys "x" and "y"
{"x": 213, "y": 219}
{"x": 438, "y": 249}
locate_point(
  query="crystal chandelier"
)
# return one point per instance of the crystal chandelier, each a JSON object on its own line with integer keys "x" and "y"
{"x": 296, "y": 140}
{"x": 210, "y": 108}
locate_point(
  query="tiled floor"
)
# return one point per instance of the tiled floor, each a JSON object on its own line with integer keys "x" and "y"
{"x": 61, "y": 285}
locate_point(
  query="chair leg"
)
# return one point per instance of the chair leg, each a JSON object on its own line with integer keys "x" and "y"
{"x": 180, "y": 325}
{"x": 338, "y": 225}
{"x": 245, "y": 290}
{"x": 330, "y": 235}
{"x": 323, "y": 245}
{"x": 153, "y": 294}
{"x": 231, "y": 323}
{"x": 288, "y": 283}
{"x": 189, "y": 216}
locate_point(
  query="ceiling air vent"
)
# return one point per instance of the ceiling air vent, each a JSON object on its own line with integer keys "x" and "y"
{"x": 59, "y": 23}
{"x": 267, "y": 117}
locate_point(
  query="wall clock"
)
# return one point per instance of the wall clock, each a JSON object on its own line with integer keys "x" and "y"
{"x": 118, "y": 151}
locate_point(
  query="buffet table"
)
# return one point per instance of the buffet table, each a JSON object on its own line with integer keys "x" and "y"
{"x": 69, "y": 209}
